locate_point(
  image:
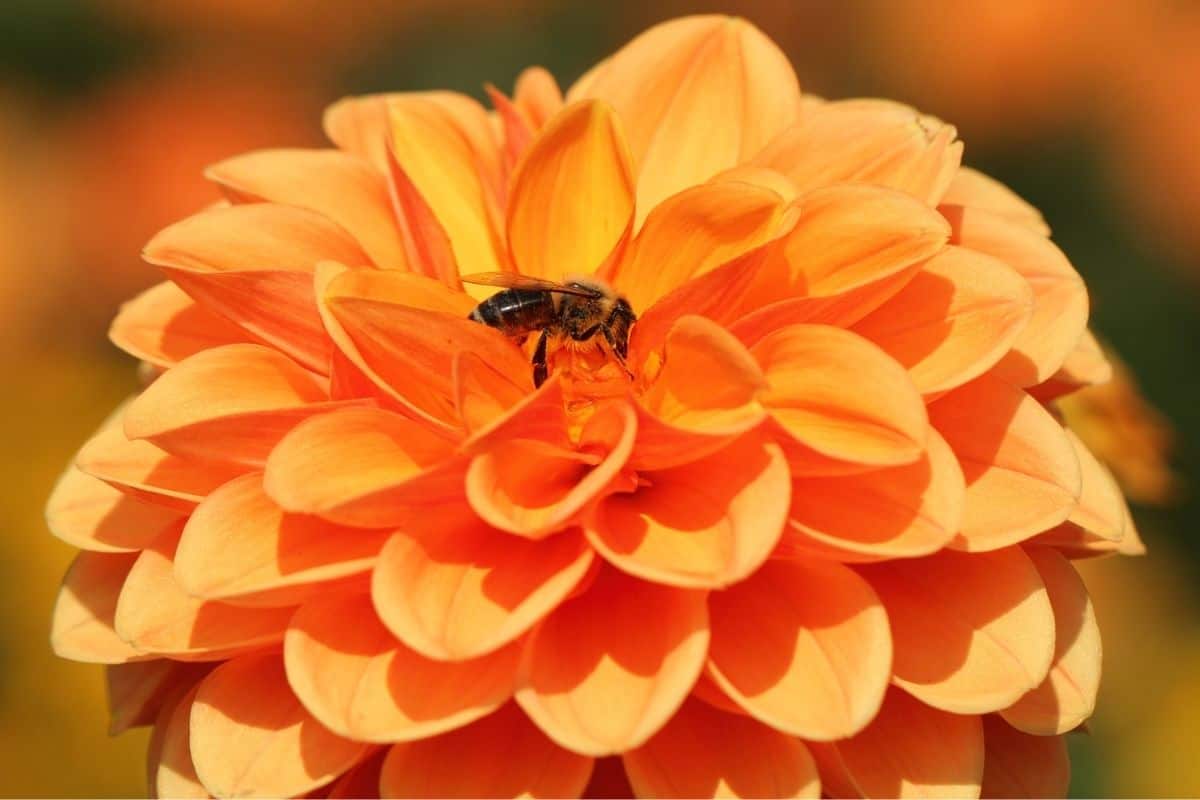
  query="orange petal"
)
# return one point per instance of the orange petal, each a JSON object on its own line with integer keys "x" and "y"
{"x": 359, "y": 126}
{"x": 866, "y": 141}
{"x": 572, "y": 197}
{"x": 896, "y": 512}
{"x": 707, "y": 524}
{"x": 530, "y": 489}
{"x": 912, "y": 750}
{"x": 469, "y": 763}
{"x": 138, "y": 690}
{"x": 714, "y": 74}
{"x": 956, "y": 318}
{"x": 840, "y": 395}
{"x": 973, "y": 189}
{"x": 607, "y": 669}
{"x": 815, "y": 662}
{"x": 1060, "y": 301}
{"x": 364, "y": 467}
{"x": 445, "y": 145}
{"x": 334, "y": 184}
{"x": 172, "y": 773}
{"x": 88, "y": 513}
{"x": 361, "y": 780}
{"x": 1021, "y": 470}
{"x": 514, "y": 124}
{"x": 163, "y": 326}
{"x": 1086, "y": 365}
{"x": 494, "y": 407}
{"x": 156, "y": 615}
{"x": 1019, "y": 765}
{"x": 250, "y": 737}
{"x": 82, "y": 624}
{"x": 253, "y": 264}
{"x": 1068, "y": 695}
{"x": 426, "y": 244}
{"x": 1101, "y": 508}
{"x": 693, "y": 232}
{"x": 703, "y": 752}
{"x": 239, "y": 546}
{"x": 537, "y": 94}
{"x": 466, "y": 589}
{"x": 361, "y": 683}
{"x": 972, "y": 632}
{"x": 149, "y": 473}
{"x": 230, "y": 404}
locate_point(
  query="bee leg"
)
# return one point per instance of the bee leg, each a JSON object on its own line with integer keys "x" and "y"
{"x": 540, "y": 369}
{"x": 617, "y": 350}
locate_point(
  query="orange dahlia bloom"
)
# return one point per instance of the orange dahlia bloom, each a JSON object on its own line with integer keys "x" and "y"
{"x": 808, "y": 537}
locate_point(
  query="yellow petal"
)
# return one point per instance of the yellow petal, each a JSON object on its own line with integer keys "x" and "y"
{"x": 90, "y": 514}
{"x": 163, "y": 326}
{"x": 972, "y": 632}
{"x": 362, "y": 683}
{"x": 82, "y": 624}
{"x": 703, "y": 752}
{"x": 1019, "y": 765}
{"x": 250, "y": 737}
{"x": 817, "y": 662}
{"x": 609, "y": 667}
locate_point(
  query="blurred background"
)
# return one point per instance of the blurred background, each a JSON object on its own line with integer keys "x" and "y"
{"x": 109, "y": 110}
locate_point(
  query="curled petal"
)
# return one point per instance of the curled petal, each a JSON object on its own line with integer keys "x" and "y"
{"x": 467, "y": 589}
{"x": 1021, "y": 470}
{"x": 495, "y": 408}
{"x": 1067, "y": 697}
{"x": 363, "y": 684}
{"x": 706, "y": 524}
{"x": 1017, "y": 764}
{"x": 172, "y": 773}
{"x": 956, "y": 318}
{"x": 972, "y": 189}
{"x": 972, "y": 632}
{"x": 926, "y": 752}
{"x": 363, "y": 467}
{"x": 895, "y": 512}
{"x": 817, "y": 659}
{"x": 138, "y": 690}
{"x": 838, "y": 394}
{"x": 1086, "y": 365}
{"x": 703, "y": 752}
{"x": 334, "y": 184}
{"x": 467, "y": 763}
{"x": 572, "y": 197}
{"x": 1101, "y": 509}
{"x": 251, "y": 737}
{"x": 608, "y": 668}
{"x": 1060, "y": 302}
{"x": 90, "y": 514}
{"x": 163, "y": 326}
{"x": 230, "y": 404}
{"x": 82, "y": 626}
{"x": 239, "y": 546}
{"x": 715, "y": 74}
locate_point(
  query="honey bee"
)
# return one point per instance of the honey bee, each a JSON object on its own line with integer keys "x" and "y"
{"x": 579, "y": 309}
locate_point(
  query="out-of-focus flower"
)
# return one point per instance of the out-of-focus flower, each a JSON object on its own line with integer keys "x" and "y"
{"x": 806, "y": 535}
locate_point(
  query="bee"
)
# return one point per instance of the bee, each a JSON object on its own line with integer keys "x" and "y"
{"x": 579, "y": 309}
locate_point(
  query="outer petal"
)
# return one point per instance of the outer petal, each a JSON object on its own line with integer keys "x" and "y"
{"x": 841, "y": 396}
{"x": 1067, "y": 697}
{"x": 82, "y": 625}
{"x": 138, "y": 690}
{"x": 1021, "y": 470}
{"x": 896, "y": 512}
{"x": 706, "y": 524}
{"x": 697, "y": 95}
{"x": 1101, "y": 508}
{"x": 250, "y": 737}
{"x": 163, "y": 326}
{"x": 607, "y": 669}
{"x": 1019, "y": 765}
{"x": 1086, "y": 365}
{"x": 90, "y": 514}
{"x": 468, "y": 589}
{"x": 572, "y": 197}
{"x": 239, "y": 546}
{"x": 1060, "y": 302}
{"x": 363, "y": 684}
{"x": 958, "y": 316}
{"x": 912, "y": 750}
{"x": 703, "y": 752}
{"x": 334, "y": 184}
{"x": 804, "y": 647}
{"x": 230, "y": 404}
{"x": 972, "y": 189}
{"x": 537, "y": 94}
{"x": 972, "y": 633}
{"x": 172, "y": 773}
{"x": 359, "y": 126}
{"x": 364, "y": 467}
{"x": 468, "y": 763}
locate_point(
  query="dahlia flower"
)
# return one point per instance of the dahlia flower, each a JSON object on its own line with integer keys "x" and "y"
{"x": 811, "y": 536}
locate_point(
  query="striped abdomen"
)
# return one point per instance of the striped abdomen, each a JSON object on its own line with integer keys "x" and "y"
{"x": 516, "y": 312}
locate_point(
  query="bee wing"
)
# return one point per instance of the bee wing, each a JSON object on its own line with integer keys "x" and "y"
{"x": 511, "y": 280}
